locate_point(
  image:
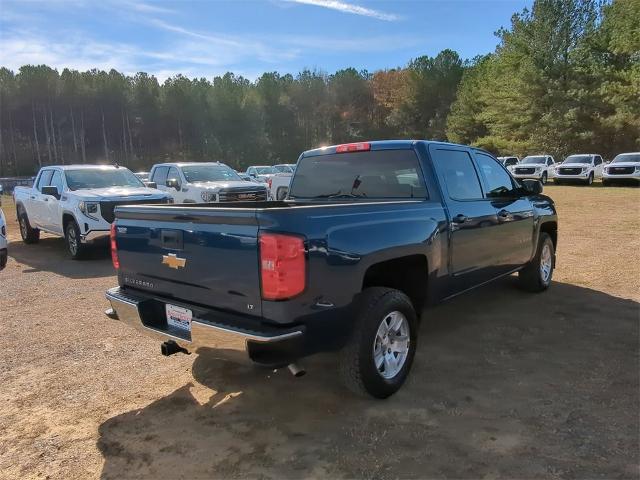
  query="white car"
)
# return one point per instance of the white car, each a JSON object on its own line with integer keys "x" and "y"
{"x": 205, "y": 182}
{"x": 77, "y": 202}
{"x": 537, "y": 167}
{"x": 509, "y": 162}
{"x": 625, "y": 167}
{"x": 584, "y": 168}
{"x": 261, "y": 173}
{"x": 3, "y": 240}
{"x": 279, "y": 183}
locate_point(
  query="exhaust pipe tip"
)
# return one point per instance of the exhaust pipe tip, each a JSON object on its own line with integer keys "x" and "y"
{"x": 296, "y": 370}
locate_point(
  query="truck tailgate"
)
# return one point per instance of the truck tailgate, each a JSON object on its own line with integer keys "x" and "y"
{"x": 206, "y": 257}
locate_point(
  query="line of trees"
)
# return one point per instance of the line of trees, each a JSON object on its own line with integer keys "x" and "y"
{"x": 565, "y": 77}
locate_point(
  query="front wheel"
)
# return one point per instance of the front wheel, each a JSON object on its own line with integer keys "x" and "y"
{"x": 72, "y": 237}
{"x": 544, "y": 178}
{"x": 28, "y": 234}
{"x": 536, "y": 276}
{"x": 377, "y": 359}
{"x": 590, "y": 179}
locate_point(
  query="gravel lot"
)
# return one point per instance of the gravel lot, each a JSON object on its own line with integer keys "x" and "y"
{"x": 505, "y": 384}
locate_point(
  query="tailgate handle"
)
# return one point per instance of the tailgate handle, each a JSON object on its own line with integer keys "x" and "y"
{"x": 171, "y": 239}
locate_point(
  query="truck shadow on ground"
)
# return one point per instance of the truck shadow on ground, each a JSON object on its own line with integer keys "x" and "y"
{"x": 50, "y": 255}
{"x": 504, "y": 384}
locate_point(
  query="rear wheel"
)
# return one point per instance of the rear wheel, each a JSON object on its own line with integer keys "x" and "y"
{"x": 590, "y": 179}
{"x": 28, "y": 234}
{"x": 72, "y": 237}
{"x": 536, "y": 276}
{"x": 377, "y": 359}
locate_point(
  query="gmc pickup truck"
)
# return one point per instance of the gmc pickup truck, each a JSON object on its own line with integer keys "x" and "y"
{"x": 369, "y": 234}
{"x": 77, "y": 202}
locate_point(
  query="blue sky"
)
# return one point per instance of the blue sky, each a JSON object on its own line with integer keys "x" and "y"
{"x": 205, "y": 38}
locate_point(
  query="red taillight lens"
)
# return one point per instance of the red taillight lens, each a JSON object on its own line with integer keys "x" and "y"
{"x": 282, "y": 266}
{"x": 269, "y": 181}
{"x": 353, "y": 147}
{"x": 114, "y": 247}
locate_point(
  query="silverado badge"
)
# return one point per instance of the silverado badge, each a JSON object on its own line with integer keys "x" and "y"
{"x": 173, "y": 261}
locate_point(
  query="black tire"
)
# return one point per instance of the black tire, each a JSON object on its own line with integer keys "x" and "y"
{"x": 357, "y": 365}
{"x": 544, "y": 178}
{"x": 28, "y": 233}
{"x": 75, "y": 248}
{"x": 532, "y": 278}
{"x": 590, "y": 179}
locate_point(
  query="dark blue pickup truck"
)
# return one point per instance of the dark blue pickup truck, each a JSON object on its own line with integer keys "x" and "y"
{"x": 369, "y": 235}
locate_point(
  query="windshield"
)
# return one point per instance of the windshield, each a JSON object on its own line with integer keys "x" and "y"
{"x": 101, "y": 178}
{"x": 264, "y": 170}
{"x": 209, "y": 173}
{"x": 511, "y": 161}
{"x": 283, "y": 168}
{"x": 371, "y": 175}
{"x": 586, "y": 159}
{"x": 627, "y": 157}
{"x": 538, "y": 160}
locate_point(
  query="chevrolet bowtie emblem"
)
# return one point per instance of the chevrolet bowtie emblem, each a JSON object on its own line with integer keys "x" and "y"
{"x": 173, "y": 261}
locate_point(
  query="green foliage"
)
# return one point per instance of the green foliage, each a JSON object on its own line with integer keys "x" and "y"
{"x": 564, "y": 79}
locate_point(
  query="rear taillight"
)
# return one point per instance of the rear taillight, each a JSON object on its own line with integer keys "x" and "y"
{"x": 269, "y": 182}
{"x": 114, "y": 247}
{"x": 353, "y": 147}
{"x": 282, "y": 266}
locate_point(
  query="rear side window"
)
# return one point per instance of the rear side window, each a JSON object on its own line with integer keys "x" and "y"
{"x": 160, "y": 175}
{"x": 459, "y": 174}
{"x": 44, "y": 179}
{"x": 373, "y": 175}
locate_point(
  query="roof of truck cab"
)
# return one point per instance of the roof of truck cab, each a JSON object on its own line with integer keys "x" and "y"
{"x": 187, "y": 164}
{"x": 383, "y": 145}
{"x": 84, "y": 167}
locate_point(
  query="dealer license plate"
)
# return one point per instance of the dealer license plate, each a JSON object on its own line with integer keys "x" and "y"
{"x": 179, "y": 317}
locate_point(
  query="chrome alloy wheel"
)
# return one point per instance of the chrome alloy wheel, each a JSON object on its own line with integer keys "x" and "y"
{"x": 72, "y": 240}
{"x": 546, "y": 262}
{"x": 23, "y": 227}
{"x": 391, "y": 345}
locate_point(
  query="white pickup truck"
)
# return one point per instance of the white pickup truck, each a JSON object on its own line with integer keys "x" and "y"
{"x": 77, "y": 202}
{"x": 279, "y": 182}
{"x": 205, "y": 182}
{"x": 584, "y": 168}
{"x": 625, "y": 167}
{"x": 537, "y": 167}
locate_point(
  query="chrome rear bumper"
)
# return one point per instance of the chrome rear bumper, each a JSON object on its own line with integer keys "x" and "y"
{"x": 268, "y": 346}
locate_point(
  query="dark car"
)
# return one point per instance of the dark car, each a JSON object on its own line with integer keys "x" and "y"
{"x": 369, "y": 235}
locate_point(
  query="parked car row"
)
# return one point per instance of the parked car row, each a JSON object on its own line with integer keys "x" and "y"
{"x": 582, "y": 168}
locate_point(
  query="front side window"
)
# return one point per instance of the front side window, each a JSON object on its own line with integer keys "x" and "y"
{"x": 209, "y": 173}
{"x": 173, "y": 174}
{"x": 101, "y": 178}
{"x": 381, "y": 174}
{"x": 160, "y": 175}
{"x": 56, "y": 181}
{"x": 45, "y": 179}
{"x": 499, "y": 183}
{"x": 459, "y": 174}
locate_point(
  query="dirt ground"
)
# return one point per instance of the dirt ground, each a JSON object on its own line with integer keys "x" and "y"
{"x": 505, "y": 384}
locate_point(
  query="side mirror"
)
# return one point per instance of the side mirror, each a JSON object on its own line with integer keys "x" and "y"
{"x": 531, "y": 187}
{"x": 51, "y": 190}
{"x": 173, "y": 183}
{"x": 151, "y": 184}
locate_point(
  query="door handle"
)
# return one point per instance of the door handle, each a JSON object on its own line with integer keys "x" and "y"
{"x": 504, "y": 215}
{"x": 32, "y": 197}
{"x": 46, "y": 199}
{"x": 460, "y": 218}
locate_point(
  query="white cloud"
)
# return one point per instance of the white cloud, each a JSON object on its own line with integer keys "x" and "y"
{"x": 349, "y": 8}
